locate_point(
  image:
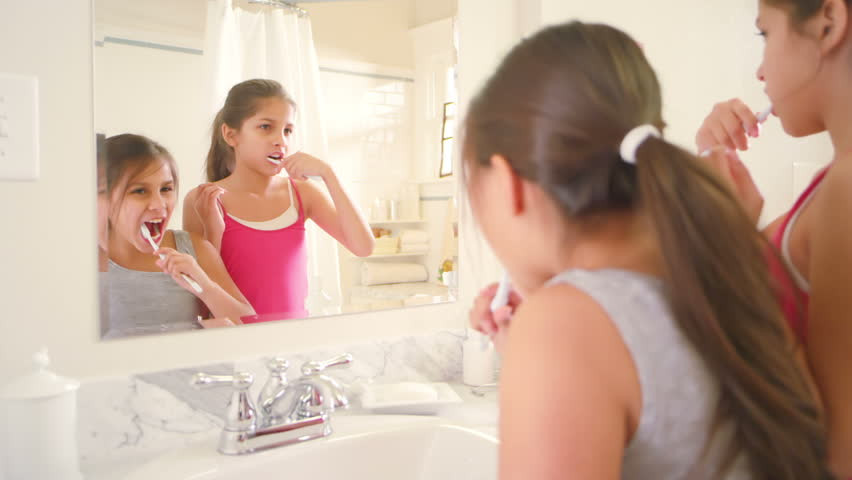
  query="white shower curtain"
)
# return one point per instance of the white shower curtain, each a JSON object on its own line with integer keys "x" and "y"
{"x": 244, "y": 42}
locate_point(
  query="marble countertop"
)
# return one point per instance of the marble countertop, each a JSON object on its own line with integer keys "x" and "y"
{"x": 476, "y": 411}
{"x": 124, "y": 423}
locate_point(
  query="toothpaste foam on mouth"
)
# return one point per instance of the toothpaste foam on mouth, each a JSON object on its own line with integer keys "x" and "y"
{"x": 274, "y": 160}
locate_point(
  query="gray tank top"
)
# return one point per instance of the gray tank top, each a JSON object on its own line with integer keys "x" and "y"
{"x": 141, "y": 303}
{"x": 679, "y": 395}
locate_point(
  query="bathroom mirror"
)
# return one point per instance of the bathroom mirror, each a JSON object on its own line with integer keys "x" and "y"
{"x": 371, "y": 79}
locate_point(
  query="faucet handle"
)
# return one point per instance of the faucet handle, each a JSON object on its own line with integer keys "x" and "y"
{"x": 332, "y": 394}
{"x": 240, "y": 415}
{"x": 316, "y": 367}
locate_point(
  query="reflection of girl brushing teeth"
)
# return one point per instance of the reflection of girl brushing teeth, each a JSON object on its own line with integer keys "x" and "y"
{"x": 255, "y": 217}
{"x": 151, "y": 293}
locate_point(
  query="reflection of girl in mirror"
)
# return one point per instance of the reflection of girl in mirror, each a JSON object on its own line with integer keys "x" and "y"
{"x": 649, "y": 342}
{"x": 255, "y": 217}
{"x": 148, "y": 294}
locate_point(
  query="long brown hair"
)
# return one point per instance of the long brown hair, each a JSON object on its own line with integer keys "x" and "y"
{"x": 241, "y": 103}
{"x": 557, "y": 109}
{"x": 800, "y": 10}
{"x": 127, "y": 155}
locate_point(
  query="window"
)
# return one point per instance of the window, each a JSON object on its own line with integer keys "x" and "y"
{"x": 447, "y": 143}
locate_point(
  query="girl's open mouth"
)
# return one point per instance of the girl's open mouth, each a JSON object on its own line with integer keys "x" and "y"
{"x": 155, "y": 228}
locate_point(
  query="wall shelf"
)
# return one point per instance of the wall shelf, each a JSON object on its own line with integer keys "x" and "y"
{"x": 393, "y": 255}
{"x": 396, "y": 222}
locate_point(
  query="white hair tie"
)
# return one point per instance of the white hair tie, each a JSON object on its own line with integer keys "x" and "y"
{"x": 634, "y": 138}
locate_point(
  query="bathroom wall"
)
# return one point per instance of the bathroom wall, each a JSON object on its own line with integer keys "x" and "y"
{"x": 128, "y": 98}
{"x": 48, "y": 282}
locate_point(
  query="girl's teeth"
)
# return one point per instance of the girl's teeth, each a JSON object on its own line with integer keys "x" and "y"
{"x": 274, "y": 161}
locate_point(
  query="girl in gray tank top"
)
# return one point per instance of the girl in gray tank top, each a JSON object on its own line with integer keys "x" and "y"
{"x": 647, "y": 341}
{"x": 135, "y": 299}
{"x": 145, "y": 290}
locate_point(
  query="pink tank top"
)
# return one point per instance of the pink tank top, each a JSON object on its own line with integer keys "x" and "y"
{"x": 794, "y": 299}
{"x": 270, "y": 267}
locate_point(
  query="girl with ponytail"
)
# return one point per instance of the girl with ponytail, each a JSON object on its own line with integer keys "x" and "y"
{"x": 646, "y": 346}
{"x": 256, "y": 217}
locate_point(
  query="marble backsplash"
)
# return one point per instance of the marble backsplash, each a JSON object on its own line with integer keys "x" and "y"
{"x": 124, "y": 422}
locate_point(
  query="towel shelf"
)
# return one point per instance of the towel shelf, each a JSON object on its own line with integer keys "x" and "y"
{"x": 392, "y": 255}
{"x": 396, "y": 222}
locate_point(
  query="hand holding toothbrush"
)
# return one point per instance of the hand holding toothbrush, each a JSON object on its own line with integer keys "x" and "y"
{"x": 495, "y": 321}
{"x": 301, "y": 166}
{"x": 175, "y": 263}
{"x": 724, "y": 131}
{"x": 729, "y": 125}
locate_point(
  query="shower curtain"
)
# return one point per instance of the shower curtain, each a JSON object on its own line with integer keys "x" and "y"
{"x": 249, "y": 41}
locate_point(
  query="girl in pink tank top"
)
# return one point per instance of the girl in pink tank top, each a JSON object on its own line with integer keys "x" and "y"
{"x": 269, "y": 261}
{"x": 254, "y": 216}
{"x": 794, "y": 290}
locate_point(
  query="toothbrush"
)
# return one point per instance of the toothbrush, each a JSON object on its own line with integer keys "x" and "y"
{"x": 192, "y": 283}
{"x": 762, "y": 116}
{"x": 501, "y": 298}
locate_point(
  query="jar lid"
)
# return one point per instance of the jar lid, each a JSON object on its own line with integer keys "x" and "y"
{"x": 39, "y": 383}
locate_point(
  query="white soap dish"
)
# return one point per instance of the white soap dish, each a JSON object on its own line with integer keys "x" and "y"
{"x": 410, "y": 398}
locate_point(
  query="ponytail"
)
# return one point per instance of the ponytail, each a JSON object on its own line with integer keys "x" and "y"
{"x": 220, "y": 157}
{"x": 725, "y": 304}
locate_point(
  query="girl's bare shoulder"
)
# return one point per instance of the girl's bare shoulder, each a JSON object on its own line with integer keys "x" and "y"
{"x": 838, "y": 179}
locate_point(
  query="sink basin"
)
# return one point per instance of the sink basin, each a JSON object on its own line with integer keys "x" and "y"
{"x": 362, "y": 447}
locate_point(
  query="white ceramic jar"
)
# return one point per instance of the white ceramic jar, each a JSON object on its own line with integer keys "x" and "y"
{"x": 38, "y": 425}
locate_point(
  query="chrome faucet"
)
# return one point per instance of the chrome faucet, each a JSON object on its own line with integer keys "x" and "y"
{"x": 313, "y": 394}
{"x": 290, "y": 413}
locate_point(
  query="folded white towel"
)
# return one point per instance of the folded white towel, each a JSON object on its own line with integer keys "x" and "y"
{"x": 414, "y": 248}
{"x": 413, "y": 236}
{"x": 386, "y": 246}
{"x": 387, "y": 242}
{"x": 380, "y": 273}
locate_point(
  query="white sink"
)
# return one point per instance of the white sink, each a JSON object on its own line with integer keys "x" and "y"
{"x": 362, "y": 447}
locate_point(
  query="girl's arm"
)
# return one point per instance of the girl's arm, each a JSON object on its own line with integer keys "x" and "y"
{"x": 225, "y": 299}
{"x": 219, "y": 293}
{"x": 339, "y": 217}
{"x": 829, "y": 340}
{"x": 569, "y": 393}
{"x": 202, "y": 215}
